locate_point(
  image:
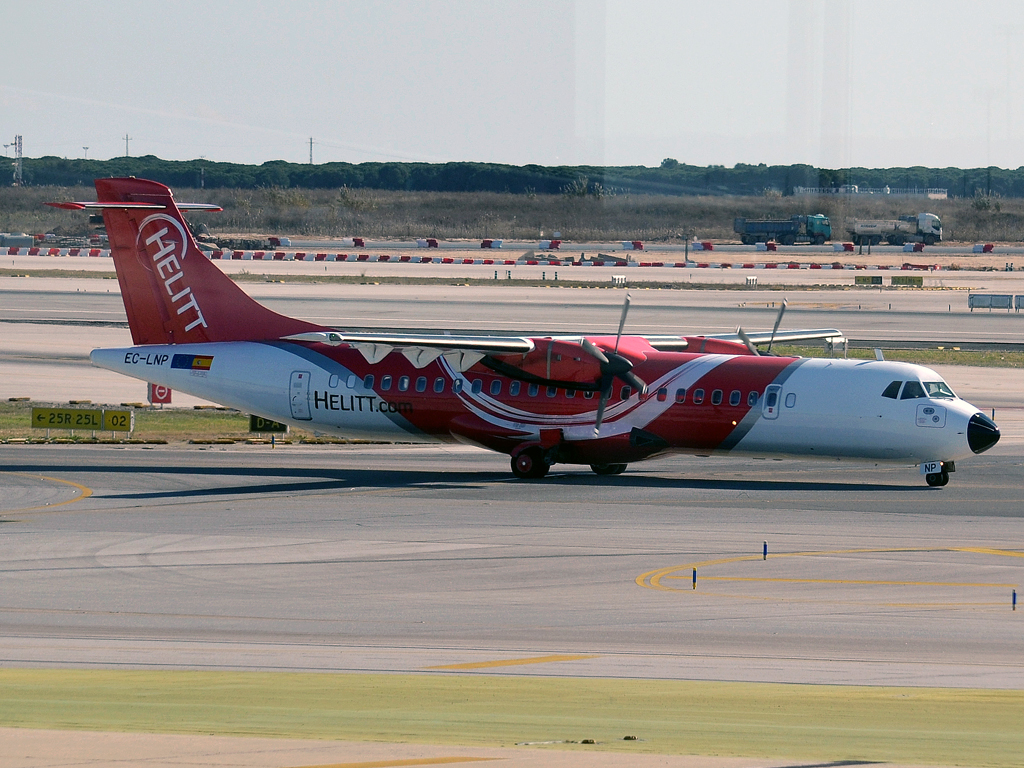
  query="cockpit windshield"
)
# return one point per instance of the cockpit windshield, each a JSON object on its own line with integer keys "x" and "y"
{"x": 938, "y": 389}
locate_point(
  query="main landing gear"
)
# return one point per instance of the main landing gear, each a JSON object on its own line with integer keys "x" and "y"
{"x": 530, "y": 464}
{"x": 937, "y": 479}
{"x": 608, "y": 469}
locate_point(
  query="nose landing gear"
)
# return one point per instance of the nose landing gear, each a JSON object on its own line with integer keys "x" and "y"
{"x": 937, "y": 479}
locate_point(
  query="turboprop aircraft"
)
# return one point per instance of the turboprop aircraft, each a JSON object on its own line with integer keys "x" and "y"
{"x": 606, "y": 401}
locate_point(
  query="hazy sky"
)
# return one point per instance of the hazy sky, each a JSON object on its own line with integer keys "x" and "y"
{"x": 832, "y": 83}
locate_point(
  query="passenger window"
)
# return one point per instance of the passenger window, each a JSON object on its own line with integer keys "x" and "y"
{"x": 333, "y": 381}
{"x": 421, "y": 384}
{"x": 403, "y": 383}
{"x": 439, "y": 384}
{"x": 735, "y": 396}
{"x": 350, "y": 382}
{"x": 893, "y": 390}
{"x": 911, "y": 390}
{"x": 533, "y": 389}
{"x": 477, "y": 386}
{"x": 588, "y": 394}
{"x": 625, "y": 392}
{"x": 456, "y": 386}
{"x": 681, "y": 395}
{"x": 496, "y": 387}
{"x": 752, "y": 398}
{"x": 385, "y": 383}
{"x": 513, "y": 388}
{"x": 570, "y": 393}
{"x": 368, "y": 381}
{"x": 698, "y": 396}
{"x": 552, "y": 391}
{"x": 716, "y": 397}
{"x": 791, "y": 400}
{"x": 662, "y": 395}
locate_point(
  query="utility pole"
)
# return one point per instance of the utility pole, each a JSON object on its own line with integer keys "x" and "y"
{"x": 86, "y": 152}
{"x": 127, "y": 138}
{"x": 19, "y": 179}
{"x": 310, "y": 150}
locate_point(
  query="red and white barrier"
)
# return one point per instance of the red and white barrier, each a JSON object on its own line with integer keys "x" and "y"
{"x": 553, "y": 262}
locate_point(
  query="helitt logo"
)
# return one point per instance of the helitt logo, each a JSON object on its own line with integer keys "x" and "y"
{"x": 165, "y": 243}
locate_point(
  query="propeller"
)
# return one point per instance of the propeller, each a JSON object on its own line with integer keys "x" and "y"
{"x": 613, "y": 366}
{"x": 778, "y": 321}
{"x": 750, "y": 345}
{"x": 746, "y": 340}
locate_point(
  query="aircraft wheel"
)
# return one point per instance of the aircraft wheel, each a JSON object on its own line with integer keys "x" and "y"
{"x": 608, "y": 469}
{"x": 530, "y": 464}
{"x": 937, "y": 479}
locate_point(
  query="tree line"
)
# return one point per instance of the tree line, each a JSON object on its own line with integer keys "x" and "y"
{"x": 670, "y": 178}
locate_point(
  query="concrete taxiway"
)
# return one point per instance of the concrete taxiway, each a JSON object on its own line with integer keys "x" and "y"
{"x": 412, "y": 559}
{"x": 432, "y": 560}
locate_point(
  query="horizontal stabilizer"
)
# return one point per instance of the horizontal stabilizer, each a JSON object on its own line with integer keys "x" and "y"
{"x": 81, "y": 206}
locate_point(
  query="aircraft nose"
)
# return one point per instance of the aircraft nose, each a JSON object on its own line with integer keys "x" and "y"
{"x": 982, "y": 433}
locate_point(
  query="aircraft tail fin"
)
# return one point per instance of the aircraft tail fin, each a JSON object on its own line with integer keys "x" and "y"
{"x": 172, "y": 293}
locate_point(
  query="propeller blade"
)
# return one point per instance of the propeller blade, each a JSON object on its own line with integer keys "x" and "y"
{"x": 778, "y": 322}
{"x": 606, "y": 392}
{"x": 634, "y": 381}
{"x": 746, "y": 340}
{"x": 622, "y": 321}
{"x": 594, "y": 351}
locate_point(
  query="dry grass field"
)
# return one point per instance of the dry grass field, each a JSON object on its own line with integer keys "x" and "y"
{"x": 381, "y": 214}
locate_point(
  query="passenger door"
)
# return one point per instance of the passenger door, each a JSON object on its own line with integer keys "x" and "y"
{"x": 298, "y": 395}
{"x": 772, "y": 401}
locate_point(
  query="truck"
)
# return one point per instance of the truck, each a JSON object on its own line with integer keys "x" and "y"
{"x": 921, "y": 228}
{"x": 813, "y": 228}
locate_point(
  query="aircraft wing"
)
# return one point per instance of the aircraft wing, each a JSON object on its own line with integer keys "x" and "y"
{"x": 463, "y": 352}
{"x": 679, "y": 343}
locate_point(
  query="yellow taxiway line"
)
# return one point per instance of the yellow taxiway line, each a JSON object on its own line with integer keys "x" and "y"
{"x": 84, "y": 492}
{"x": 514, "y": 662}
{"x": 653, "y": 579}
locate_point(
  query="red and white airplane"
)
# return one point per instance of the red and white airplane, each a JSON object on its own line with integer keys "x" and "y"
{"x": 605, "y": 401}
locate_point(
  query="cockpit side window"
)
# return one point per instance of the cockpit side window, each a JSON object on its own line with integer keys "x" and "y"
{"x": 939, "y": 389}
{"x": 911, "y": 390}
{"x": 893, "y": 390}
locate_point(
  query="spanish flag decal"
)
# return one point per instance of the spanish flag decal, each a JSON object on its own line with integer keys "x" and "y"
{"x": 192, "y": 362}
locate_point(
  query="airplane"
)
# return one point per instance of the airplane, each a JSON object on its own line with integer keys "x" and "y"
{"x": 603, "y": 401}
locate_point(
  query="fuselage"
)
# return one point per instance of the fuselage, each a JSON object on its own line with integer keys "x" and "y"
{"x": 696, "y": 403}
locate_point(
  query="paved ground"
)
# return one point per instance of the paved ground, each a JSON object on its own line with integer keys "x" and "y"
{"x": 404, "y": 558}
{"x": 25, "y": 748}
{"x": 389, "y": 558}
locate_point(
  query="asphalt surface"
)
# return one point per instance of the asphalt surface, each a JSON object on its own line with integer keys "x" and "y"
{"x": 401, "y": 558}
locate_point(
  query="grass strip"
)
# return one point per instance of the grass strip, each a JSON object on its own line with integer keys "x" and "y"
{"x": 824, "y": 723}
